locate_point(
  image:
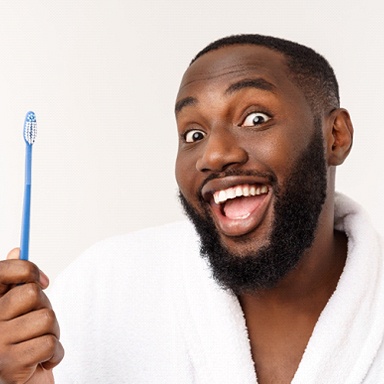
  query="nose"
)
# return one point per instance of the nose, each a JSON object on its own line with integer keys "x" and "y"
{"x": 221, "y": 150}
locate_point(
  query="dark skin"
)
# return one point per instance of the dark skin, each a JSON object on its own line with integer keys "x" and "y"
{"x": 237, "y": 109}
{"x": 29, "y": 331}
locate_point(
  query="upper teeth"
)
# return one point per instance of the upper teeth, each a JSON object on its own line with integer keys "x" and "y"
{"x": 239, "y": 190}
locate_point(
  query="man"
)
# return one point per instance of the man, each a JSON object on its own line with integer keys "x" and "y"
{"x": 296, "y": 294}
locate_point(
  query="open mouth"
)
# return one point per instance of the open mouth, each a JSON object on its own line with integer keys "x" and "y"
{"x": 239, "y": 202}
{"x": 239, "y": 209}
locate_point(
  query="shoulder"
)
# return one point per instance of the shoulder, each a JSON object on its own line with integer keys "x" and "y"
{"x": 127, "y": 270}
{"x": 169, "y": 235}
{"x": 121, "y": 295}
{"x": 351, "y": 218}
{"x": 152, "y": 251}
{"x": 140, "y": 245}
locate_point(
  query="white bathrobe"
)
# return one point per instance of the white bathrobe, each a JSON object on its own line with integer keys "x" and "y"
{"x": 143, "y": 308}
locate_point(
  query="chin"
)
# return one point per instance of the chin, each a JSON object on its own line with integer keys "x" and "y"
{"x": 245, "y": 245}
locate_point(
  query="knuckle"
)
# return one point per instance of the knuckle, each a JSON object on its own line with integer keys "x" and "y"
{"x": 32, "y": 292}
{"x": 31, "y": 271}
{"x": 48, "y": 316}
{"x": 50, "y": 342}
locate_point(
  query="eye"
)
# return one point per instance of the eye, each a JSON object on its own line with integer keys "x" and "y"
{"x": 255, "y": 118}
{"x": 194, "y": 135}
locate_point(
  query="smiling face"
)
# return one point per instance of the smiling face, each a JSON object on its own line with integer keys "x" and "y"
{"x": 245, "y": 130}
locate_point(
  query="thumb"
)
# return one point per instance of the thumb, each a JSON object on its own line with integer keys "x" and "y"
{"x": 14, "y": 254}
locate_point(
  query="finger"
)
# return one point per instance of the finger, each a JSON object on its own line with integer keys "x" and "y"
{"x": 30, "y": 326}
{"x": 14, "y": 272}
{"x": 18, "y": 271}
{"x": 15, "y": 254}
{"x": 41, "y": 376}
{"x": 45, "y": 350}
{"x": 55, "y": 359}
{"x": 28, "y": 360}
{"x": 21, "y": 300}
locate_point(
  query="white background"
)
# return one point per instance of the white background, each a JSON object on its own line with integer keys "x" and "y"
{"x": 102, "y": 78}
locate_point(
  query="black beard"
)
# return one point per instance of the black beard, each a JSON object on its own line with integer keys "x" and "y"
{"x": 296, "y": 213}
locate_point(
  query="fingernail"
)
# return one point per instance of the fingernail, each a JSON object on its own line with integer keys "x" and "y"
{"x": 44, "y": 280}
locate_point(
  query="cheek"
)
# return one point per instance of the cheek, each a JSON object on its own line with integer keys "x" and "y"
{"x": 186, "y": 174}
{"x": 273, "y": 153}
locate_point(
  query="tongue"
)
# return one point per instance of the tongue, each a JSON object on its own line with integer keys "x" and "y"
{"x": 241, "y": 207}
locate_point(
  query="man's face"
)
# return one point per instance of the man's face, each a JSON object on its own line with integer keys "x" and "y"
{"x": 246, "y": 139}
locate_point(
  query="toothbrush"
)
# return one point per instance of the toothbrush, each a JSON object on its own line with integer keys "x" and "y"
{"x": 29, "y": 138}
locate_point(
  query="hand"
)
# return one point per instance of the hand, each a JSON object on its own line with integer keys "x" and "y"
{"x": 41, "y": 376}
{"x": 29, "y": 331}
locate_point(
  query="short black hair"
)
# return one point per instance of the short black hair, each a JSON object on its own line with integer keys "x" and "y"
{"x": 309, "y": 70}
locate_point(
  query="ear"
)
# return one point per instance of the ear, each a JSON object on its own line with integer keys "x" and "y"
{"x": 339, "y": 136}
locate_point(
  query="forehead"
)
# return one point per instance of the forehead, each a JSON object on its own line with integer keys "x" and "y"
{"x": 226, "y": 65}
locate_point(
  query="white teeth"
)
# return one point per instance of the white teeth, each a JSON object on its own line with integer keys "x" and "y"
{"x": 222, "y": 196}
{"x": 238, "y": 191}
{"x": 264, "y": 189}
{"x": 231, "y": 193}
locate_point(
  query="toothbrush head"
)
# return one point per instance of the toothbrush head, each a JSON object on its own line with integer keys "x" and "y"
{"x": 30, "y": 128}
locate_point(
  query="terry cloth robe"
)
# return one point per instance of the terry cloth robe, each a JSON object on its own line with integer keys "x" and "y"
{"x": 143, "y": 308}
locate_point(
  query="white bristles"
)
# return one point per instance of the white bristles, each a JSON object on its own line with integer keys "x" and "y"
{"x": 30, "y": 128}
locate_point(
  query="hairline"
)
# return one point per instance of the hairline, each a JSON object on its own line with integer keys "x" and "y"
{"x": 329, "y": 101}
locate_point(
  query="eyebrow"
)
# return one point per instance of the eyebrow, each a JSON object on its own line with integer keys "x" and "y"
{"x": 258, "y": 83}
{"x": 184, "y": 103}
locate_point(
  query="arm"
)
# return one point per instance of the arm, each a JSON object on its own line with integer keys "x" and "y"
{"x": 29, "y": 332}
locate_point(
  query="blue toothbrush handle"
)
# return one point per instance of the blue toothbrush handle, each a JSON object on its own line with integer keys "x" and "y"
{"x": 25, "y": 225}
